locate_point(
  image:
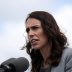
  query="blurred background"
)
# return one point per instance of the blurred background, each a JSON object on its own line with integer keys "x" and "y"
{"x": 12, "y": 23}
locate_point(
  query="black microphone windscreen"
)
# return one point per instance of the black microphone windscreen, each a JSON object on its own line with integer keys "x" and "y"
{"x": 20, "y": 64}
{"x": 8, "y": 61}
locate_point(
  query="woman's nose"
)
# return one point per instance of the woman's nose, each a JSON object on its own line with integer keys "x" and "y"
{"x": 31, "y": 33}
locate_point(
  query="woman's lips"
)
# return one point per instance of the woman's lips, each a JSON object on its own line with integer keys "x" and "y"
{"x": 34, "y": 41}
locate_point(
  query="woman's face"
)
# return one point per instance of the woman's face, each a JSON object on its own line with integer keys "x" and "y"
{"x": 36, "y": 34}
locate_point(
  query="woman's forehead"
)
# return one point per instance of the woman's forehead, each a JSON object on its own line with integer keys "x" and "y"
{"x": 33, "y": 22}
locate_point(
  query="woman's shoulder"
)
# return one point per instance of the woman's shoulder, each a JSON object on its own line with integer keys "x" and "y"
{"x": 65, "y": 64}
{"x": 67, "y": 51}
{"x": 67, "y": 54}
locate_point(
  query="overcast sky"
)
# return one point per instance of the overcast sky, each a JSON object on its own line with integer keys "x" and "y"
{"x": 12, "y": 17}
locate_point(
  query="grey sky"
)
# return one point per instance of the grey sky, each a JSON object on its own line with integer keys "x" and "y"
{"x": 14, "y": 10}
{"x": 17, "y": 9}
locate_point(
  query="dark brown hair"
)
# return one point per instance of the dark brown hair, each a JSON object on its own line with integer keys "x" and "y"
{"x": 55, "y": 36}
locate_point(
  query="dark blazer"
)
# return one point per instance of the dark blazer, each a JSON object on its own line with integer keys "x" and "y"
{"x": 65, "y": 64}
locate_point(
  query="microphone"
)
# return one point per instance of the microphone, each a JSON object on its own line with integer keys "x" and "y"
{"x": 8, "y": 61}
{"x": 15, "y": 65}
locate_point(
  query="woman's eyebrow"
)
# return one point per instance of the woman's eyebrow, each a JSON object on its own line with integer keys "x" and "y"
{"x": 36, "y": 25}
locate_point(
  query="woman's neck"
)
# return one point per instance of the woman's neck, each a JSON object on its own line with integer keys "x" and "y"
{"x": 46, "y": 53}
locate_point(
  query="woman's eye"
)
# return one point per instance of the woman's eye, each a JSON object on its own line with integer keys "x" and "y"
{"x": 34, "y": 28}
{"x": 27, "y": 30}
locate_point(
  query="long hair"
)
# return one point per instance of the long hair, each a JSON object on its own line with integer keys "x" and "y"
{"x": 55, "y": 37}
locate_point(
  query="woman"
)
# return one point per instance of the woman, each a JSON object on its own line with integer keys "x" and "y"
{"x": 47, "y": 45}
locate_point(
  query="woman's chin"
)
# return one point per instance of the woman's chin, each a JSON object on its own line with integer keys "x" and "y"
{"x": 35, "y": 47}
